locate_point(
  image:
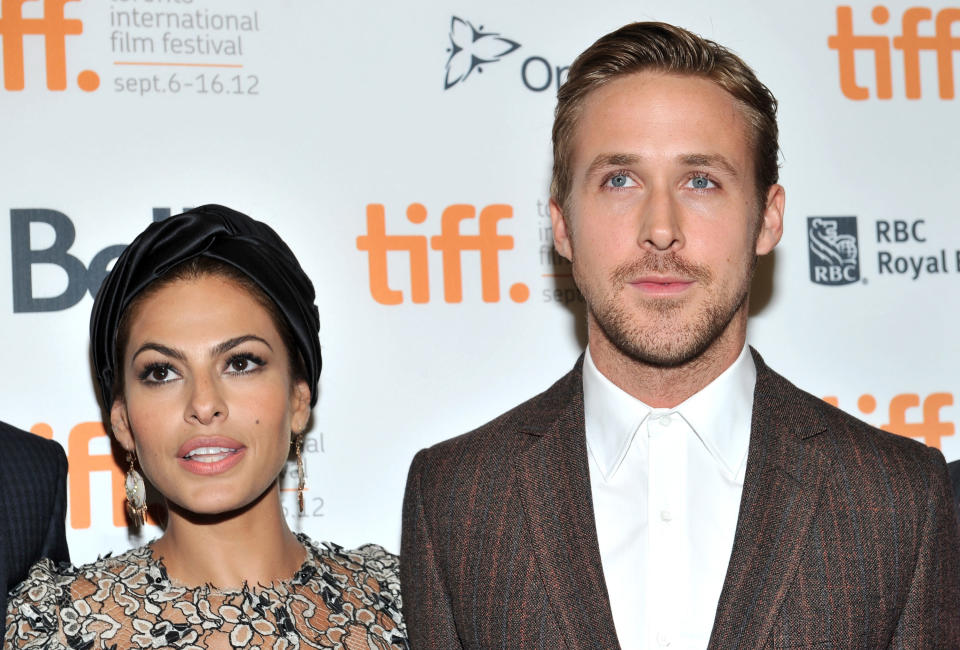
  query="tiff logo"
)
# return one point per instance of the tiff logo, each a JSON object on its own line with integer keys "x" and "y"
{"x": 910, "y": 42}
{"x": 54, "y": 27}
{"x": 450, "y": 242}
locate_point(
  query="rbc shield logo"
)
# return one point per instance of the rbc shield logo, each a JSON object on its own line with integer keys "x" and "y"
{"x": 834, "y": 250}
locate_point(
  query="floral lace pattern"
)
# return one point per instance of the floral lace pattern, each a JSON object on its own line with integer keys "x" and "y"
{"x": 337, "y": 599}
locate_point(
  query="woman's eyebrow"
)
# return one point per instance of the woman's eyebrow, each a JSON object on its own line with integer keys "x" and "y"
{"x": 220, "y": 348}
{"x": 162, "y": 349}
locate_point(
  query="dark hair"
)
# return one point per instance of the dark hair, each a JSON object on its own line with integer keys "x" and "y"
{"x": 193, "y": 269}
{"x": 661, "y": 47}
{"x": 233, "y": 246}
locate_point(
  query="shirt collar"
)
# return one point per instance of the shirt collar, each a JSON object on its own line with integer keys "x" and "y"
{"x": 720, "y": 415}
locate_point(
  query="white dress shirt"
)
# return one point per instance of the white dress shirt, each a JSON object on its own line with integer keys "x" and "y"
{"x": 666, "y": 487}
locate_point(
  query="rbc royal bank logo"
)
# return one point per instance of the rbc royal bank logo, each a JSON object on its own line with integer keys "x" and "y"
{"x": 834, "y": 250}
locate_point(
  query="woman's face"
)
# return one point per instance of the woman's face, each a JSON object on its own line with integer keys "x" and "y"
{"x": 209, "y": 403}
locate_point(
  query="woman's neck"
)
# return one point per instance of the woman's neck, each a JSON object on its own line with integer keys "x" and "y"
{"x": 253, "y": 545}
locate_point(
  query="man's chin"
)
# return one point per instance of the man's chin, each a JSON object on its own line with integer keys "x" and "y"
{"x": 663, "y": 337}
{"x": 671, "y": 354}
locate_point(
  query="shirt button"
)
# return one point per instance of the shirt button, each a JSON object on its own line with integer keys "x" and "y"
{"x": 666, "y": 515}
{"x": 663, "y": 640}
{"x": 665, "y": 420}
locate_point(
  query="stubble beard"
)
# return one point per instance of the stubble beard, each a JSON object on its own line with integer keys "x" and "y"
{"x": 666, "y": 338}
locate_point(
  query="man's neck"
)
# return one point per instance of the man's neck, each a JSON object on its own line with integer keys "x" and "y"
{"x": 662, "y": 387}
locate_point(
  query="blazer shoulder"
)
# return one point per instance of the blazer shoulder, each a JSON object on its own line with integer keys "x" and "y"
{"x": 20, "y": 448}
{"x": 535, "y": 415}
{"x": 835, "y": 431}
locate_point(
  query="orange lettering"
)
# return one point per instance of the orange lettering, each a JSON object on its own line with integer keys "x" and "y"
{"x": 451, "y": 242}
{"x": 82, "y": 464}
{"x": 846, "y": 45}
{"x": 54, "y": 27}
{"x": 910, "y": 42}
{"x": 931, "y": 429}
{"x": 943, "y": 42}
{"x": 377, "y": 243}
{"x": 946, "y": 45}
{"x": 43, "y": 430}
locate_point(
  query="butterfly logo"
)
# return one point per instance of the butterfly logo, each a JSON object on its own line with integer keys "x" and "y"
{"x": 470, "y": 48}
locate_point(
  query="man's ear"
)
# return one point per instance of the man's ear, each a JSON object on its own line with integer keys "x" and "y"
{"x": 120, "y": 424}
{"x": 561, "y": 235}
{"x": 771, "y": 228}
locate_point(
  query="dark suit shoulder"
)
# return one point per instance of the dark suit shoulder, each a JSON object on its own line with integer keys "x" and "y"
{"x": 21, "y": 449}
{"x": 873, "y": 457}
{"x": 33, "y": 473}
{"x": 499, "y": 436}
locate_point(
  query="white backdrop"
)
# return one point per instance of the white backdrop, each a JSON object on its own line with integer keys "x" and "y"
{"x": 313, "y": 116}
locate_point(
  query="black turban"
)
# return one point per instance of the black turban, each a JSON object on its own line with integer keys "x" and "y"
{"x": 222, "y": 234}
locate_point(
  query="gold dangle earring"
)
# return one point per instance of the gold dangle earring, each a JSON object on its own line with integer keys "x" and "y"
{"x": 136, "y": 494}
{"x": 301, "y": 478}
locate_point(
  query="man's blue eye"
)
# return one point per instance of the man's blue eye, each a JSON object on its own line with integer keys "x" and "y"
{"x": 619, "y": 180}
{"x": 700, "y": 182}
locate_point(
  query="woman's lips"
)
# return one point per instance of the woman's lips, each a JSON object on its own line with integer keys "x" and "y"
{"x": 210, "y": 455}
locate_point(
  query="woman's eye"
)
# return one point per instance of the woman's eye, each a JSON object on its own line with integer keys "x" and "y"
{"x": 158, "y": 374}
{"x": 701, "y": 183}
{"x": 239, "y": 365}
{"x": 620, "y": 180}
{"x": 243, "y": 363}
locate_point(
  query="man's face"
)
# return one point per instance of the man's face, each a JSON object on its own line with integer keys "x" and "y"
{"x": 662, "y": 223}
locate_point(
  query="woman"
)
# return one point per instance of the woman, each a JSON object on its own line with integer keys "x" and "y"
{"x": 205, "y": 345}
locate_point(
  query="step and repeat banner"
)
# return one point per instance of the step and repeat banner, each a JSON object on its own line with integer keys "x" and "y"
{"x": 381, "y": 139}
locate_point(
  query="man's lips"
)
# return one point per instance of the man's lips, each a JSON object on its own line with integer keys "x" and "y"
{"x": 665, "y": 285}
{"x": 210, "y": 455}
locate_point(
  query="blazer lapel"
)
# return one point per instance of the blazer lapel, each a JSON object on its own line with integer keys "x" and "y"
{"x": 4, "y": 554}
{"x": 784, "y": 479}
{"x": 554, "y": 482}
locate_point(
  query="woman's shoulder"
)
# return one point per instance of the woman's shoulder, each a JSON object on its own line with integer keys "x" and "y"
{"x": 56, "y": 596}
{"x": 366, "y": 577}
{"x": 370, "y": 560}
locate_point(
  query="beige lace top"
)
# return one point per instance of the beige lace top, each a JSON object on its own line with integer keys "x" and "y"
{"x": 337, "y": 599}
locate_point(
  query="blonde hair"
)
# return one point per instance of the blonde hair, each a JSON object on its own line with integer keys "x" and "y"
{"x": 661, "y": 47}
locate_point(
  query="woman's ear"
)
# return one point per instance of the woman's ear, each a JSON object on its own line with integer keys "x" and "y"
{"x": 300, "y": 405}
{"x": 120, "y": 424}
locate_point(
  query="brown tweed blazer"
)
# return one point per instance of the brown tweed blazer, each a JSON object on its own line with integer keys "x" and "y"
{"x": 847, "y": 536}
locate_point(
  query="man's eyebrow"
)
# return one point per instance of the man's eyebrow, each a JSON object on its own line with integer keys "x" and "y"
{"x": 605, "y": 160}
{"x": 709, "y": 160}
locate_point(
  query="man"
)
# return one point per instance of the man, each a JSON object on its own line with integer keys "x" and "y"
{"x": 672, "y": 490}
{"x": 33, "y": 504}
{"x": 954, "y": 469}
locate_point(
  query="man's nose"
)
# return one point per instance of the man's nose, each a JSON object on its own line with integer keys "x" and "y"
{"x": 660, "y": 222}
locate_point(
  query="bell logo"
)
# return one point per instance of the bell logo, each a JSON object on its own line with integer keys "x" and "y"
{"x": 910, "y": 42}
{"x": 54, "y": 27}
{"x": 450, "y": 242}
